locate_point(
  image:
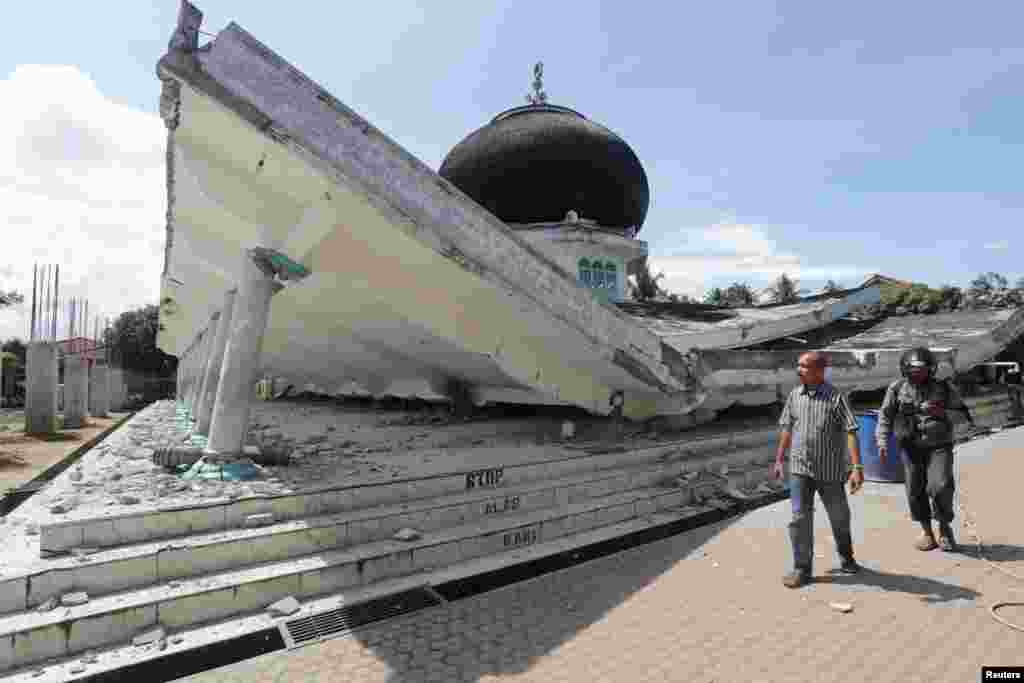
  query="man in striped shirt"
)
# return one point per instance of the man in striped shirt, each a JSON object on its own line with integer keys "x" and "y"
{"x": 815, "y": 422}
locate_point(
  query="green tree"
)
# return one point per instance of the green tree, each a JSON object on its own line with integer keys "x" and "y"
{"x": 715, "y": 297}
{"x": 132, "y": 342}
{"x": 950, "y": 295}
{"x": 785, "y": 290}
{"x": 739, "y": 294}
{"x": 986, "y": 282}
{"x": 647, "y": 286}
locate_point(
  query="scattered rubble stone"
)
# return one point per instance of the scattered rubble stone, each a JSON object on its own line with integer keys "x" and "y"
{"x": 148, "y": 637}
{"x": 259, "y": 519}
{"x": 284, "y": 607}
{"x": 843, "y": 607}
{"x": 407, "y": 534}
{"x": 129, "y": 500}
{"x": 76, "y": 598}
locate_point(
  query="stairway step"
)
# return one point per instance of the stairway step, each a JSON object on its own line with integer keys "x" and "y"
{"x": 110, "y": 530}
{"x": 121, "y": 653}
{"x": 124, "y": 567}
{"x": 30, "y": 637}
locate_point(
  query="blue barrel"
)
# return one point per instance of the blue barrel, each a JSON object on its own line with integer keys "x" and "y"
{"x": 892, "y": 471}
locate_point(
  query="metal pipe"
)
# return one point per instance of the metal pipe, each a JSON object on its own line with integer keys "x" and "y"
{"x": 56, "y": 300}
{"x": 32, "y": 326}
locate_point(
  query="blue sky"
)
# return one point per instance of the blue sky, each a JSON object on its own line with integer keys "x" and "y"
{"x": 821, "y": 139}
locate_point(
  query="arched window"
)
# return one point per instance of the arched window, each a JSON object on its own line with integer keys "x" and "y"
{"x": 585, "y": 275}
{"x": 611, "y": 277}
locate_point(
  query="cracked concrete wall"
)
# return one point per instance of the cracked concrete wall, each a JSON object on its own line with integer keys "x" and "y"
{"x": 273, "y": 95}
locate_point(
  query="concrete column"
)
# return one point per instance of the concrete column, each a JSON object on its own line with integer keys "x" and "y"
{"x": 212, "y": 331}
{"x": 213, "y": 367}
{"x": 99, "y": 391}
{"x": 241, "y": 359}
{"x": 197, "y": 360}
{"x": 201, "y": 361}
{"x": 114, "y": 385}
{"x": 186, "y": 387}
{"x": 76, "y": 391}
{"x": 179, "y": 377}
{"x": 41, "y": 388}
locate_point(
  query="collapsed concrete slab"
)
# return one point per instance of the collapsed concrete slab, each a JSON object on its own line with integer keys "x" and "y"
{"x": 868, "y": 361}
{"x": 686, "y": 326}
{"x": 409, "y": 279}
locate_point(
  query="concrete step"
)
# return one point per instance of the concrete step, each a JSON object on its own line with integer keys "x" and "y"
{"x": 30, "y": 637}
{"x": 121, "y": 568}
{"x": 490, "y": 471}
{"x": 184, "y": 640}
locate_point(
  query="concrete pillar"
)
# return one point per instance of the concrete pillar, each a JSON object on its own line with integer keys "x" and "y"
{"x": 186, "y": 386}
{"x": 241, "y": 359}
{"x": 197, "y": 359}
{"x": 179, "y": 376}
{"x": 204, "y": 355}
{"x": 99, "y": 391}
{"x": 41, "y": 388}
{"x": 213, "y": 366}
{"x": 212, "y": 331}
{"x": 76, "y": 391}
{"x": 114, "y": 386}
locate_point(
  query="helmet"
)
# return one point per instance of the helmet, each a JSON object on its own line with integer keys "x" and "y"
{"x": 917, "y": 357}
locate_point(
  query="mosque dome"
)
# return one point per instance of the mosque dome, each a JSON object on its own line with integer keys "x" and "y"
{"x": 535, "y": 163}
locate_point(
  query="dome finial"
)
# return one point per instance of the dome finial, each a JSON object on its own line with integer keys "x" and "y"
{"x": 538, "y": 96}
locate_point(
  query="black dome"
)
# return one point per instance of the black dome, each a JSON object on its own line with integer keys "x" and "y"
{"x": 533, "y": 164}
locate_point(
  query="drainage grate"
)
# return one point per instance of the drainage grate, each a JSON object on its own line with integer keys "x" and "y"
{"x": 344, "y": 620}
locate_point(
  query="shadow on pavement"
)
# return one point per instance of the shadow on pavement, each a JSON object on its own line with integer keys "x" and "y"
{"x": 930, "y": 590}
{"x": 507, "y": 630}
{"x": 997, "y": 552}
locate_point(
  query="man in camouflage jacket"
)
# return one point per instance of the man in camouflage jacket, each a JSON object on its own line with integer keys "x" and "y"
{"x": 917, "y": 409}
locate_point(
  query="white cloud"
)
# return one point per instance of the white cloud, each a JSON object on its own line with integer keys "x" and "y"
{"x": 730, "y": 251}
{"x": 82, "y": 186}
{"x": 998, "y": 246}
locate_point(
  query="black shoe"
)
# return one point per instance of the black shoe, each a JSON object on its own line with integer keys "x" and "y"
{"x": 849, "y": 566}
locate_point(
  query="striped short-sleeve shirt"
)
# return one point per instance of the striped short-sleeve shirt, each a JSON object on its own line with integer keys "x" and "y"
{"x": 819, "y": 417}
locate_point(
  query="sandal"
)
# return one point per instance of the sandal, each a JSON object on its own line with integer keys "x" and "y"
{"x": 926, "y": 542}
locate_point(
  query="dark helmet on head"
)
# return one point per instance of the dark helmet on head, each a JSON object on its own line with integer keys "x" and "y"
{"x": 916, "y": 358}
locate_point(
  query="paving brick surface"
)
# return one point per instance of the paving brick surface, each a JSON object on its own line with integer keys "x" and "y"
{"x": 708, "y": 606}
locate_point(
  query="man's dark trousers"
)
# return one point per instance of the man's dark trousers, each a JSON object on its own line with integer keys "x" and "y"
{"x": 801, "y": 528}
{"x": 929, "y": 483}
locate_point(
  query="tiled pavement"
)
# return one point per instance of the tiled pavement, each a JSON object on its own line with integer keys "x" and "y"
{"x": 708, "y": 605}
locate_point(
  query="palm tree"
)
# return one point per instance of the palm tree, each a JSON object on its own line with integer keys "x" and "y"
{"x": 647, "y": 286}
{"x": 785, "y": 290}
